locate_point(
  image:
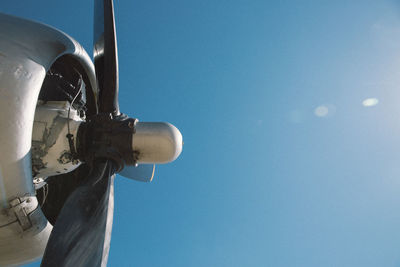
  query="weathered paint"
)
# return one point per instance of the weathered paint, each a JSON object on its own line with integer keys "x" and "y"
{"x": 51, "y": 153}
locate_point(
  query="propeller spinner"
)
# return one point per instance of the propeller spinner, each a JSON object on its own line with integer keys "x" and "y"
{"x": 107, "y": 142}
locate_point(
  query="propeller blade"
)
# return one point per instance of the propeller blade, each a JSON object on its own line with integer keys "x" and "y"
{"x": 82, "y": 233}
{"x": 142, "y": 173}
{"x": 106, "y": 56}
{"x": 58, "y": 189}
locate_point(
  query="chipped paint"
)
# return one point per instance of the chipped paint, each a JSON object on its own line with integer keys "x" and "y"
{"x": 51, "y": 152}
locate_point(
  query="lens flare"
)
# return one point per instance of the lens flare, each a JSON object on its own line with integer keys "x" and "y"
{"x": 370, "y": 102}
{"x": 321, "y": 111}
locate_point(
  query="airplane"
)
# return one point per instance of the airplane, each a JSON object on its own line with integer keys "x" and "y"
{"x": 63, "y": 139}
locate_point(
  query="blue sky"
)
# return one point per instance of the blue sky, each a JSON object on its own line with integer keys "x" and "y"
{"x": 262, "y": 180}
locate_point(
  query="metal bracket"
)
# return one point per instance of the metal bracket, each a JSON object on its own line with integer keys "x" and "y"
{"x": 22, "y": 208}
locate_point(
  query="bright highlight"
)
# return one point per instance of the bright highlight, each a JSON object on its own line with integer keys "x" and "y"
{"x": 321, "y": 111}
{"x": 370, "y": 102}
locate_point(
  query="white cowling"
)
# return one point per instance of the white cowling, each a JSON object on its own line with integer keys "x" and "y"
{"x": 27, "y": 51}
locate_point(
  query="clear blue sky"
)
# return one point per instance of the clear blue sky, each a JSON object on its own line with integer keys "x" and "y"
{"x": 262, "y": 180}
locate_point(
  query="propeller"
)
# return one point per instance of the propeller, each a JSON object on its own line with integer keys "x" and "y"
{"x": 82, "y": 232}
{"x": 108, "y": 142}
{"x": 106, "y": 56}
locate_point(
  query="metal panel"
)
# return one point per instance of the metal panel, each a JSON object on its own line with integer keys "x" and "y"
{"x": 27, "y": 50}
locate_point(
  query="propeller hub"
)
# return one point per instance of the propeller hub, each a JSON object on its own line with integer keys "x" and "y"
{"x": 156, "y": 142}
{"x": 108, "y": 137}
{"x": 128, "y": 142}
